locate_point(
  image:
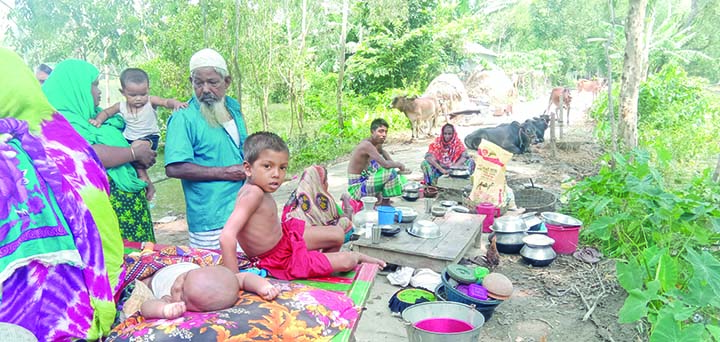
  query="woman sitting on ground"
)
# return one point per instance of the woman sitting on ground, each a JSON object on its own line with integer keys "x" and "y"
{"x": 73, "y": 90}
{"x": 313, "y": 203}
{"x": 445, "y": 153}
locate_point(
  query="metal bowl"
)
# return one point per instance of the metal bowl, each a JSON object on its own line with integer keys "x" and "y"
{"x": 459, "y": 173}
{"x": 509, "y": 224}
{"x": 559, "y": 219}
{"x": 408, "y": 214}
{"x": 424, "y": 229}
{"x": 448, "y": 203}
{"x": 460, "y": 209}
{"x": 438, "y": 210}
{"x": 532, "y": 221}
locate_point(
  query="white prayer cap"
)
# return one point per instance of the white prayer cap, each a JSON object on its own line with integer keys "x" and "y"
{"x": 207, "y": 58}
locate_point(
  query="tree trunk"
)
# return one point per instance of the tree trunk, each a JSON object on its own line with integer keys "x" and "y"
{"x": 646, "y": 46}
{"x": 268, "y": 81}
{"x": 291, "y": 66}
{"x": 300, "y": 92}
{"x": 611, "y": 108}
{"x": 694, "y": 11}
{"x": 265, "y": 106}
{"x": 341, "y": 64}
{"x": 632, "y": 71}
{"x": 205, "y": 26}
{"x": 236, "y": 52}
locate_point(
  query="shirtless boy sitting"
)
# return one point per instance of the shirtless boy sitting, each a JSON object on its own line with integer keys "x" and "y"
{"x": 288, "y": 250}
{"x": 188, "y": 287}
{"x": 371, "y": 170}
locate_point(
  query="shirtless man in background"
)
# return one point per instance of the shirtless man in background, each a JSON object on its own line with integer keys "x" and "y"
{"x": 371, "y": 171}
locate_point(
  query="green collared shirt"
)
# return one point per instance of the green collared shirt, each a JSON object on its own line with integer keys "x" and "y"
{"x": 191, "y": 140}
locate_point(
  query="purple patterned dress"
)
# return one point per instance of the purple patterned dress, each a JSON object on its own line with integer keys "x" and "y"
{"x": 60, "y": 243}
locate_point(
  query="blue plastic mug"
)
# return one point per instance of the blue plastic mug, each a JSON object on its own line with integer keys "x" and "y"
{"x": 386, "y": 215}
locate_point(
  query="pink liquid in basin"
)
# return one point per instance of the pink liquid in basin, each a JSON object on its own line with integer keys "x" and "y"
{"x": 443, "y": 325}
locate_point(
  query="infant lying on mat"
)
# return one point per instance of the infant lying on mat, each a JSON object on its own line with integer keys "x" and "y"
{"x": 188, "y": 287}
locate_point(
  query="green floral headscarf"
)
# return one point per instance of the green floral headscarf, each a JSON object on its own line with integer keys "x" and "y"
{"x": 68, "y": 90}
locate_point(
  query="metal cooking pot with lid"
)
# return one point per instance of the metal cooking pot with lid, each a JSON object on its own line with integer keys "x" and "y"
{"x": 538, "y": 250}
{"x": 410, "y": 195}
{"x": 515, "y": 238}
{"x": 412, "y": 187}
{"x": 509, "y": 224}
{"x": 538, "y": 241}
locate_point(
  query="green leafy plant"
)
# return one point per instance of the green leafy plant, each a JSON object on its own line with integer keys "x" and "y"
{"x": 661, "y": 237}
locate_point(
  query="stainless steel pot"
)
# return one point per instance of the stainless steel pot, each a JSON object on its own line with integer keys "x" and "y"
{"x": 410, "y": 196}
{"x": 515, "y": 238}
{"x": 431, "y": 310}
{"x": 509, "y": 243}
{"x": 509, "y": 224}
{"x": 538, "y": 250}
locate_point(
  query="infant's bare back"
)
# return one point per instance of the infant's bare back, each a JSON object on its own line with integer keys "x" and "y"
{"x": 263, "y": 230}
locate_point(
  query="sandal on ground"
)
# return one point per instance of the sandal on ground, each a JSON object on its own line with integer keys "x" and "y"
{"x": 589, "y": 255}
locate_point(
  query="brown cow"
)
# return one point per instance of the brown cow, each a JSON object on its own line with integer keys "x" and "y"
{"x": 555, "y": 100}
{"x": 417, "y": 109}
{"x": 590, "y": 86}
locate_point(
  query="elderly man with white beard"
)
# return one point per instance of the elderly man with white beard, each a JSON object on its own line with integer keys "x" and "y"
{"x": 204, "y": 149}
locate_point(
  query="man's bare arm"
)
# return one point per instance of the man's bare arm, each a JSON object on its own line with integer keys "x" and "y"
{"x": 195, "y": 172}
{"x": 247, "y": 202}
{"x": 384, "y": 153}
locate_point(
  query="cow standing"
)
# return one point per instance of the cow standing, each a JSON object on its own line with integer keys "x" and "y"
{"x": 592, "y": 87}
{"x": 417, "y": 110}
{"x": 555, "y": 100}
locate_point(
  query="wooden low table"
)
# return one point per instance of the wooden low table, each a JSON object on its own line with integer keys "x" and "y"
{"x": 458, "y": 232}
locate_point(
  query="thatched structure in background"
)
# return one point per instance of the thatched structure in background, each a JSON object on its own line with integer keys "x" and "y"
{"x": 449, "y": 92}
{"x": 493, "y": 87}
